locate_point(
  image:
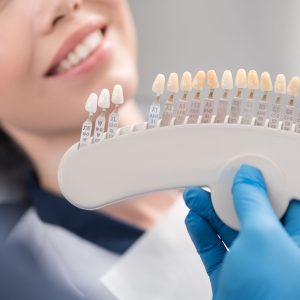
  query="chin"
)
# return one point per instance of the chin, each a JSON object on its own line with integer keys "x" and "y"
{"x": 124, "y": 75}
{"x": 129, "y": 82}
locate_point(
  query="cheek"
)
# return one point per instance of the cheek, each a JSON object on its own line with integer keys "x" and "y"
{"x": 15, "y": 60}
{"x": 124, "y": 36}
{"x": 45, "y": 114}
{"x": 119, "y": 14}
{"x": 126, "y": 24}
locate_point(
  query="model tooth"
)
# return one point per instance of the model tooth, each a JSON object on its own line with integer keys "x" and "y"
{"x": 173, "y": 83}
{"x": 91, "y": 103}
{"x": 227, "y": 81}
{"x": 104, "y": 99}
{"x": 253, "y": 81}
{"x": 117, "y": 95}
{"x": 199, "y": 81}
{"x": 159, "y": 85}
{"x": 186, "y": 84}
{"x": 212, "y": 80}
{"x": 266, "y": 84}
{"x": 293, "y": 87}
{"x": 241, "y": 79}
{"x": 280, "y": 84}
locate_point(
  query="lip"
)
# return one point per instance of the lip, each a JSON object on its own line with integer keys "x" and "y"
{"x": 75, "y": 39}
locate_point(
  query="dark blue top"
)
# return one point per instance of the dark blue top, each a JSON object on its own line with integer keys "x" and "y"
{"x": 103, "y": 230}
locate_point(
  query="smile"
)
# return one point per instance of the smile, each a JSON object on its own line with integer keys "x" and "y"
{"x": 75, "y": 54}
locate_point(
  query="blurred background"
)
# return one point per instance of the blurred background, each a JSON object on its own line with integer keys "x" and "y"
{"x": 176, "y": 36}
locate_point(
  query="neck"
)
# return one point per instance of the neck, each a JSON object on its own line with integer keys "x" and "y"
{"x": 45, "y": 153}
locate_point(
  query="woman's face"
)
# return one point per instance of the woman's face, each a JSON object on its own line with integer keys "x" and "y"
{"x": 55, "y": 52}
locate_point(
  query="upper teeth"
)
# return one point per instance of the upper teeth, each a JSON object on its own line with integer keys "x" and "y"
{"x": 82, "y": 51}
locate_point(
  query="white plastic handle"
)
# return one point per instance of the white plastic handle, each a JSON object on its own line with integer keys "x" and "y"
{"x": 150, "y": 160}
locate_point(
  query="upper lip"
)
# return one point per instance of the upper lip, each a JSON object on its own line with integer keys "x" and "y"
{"x": 72, "y": 41}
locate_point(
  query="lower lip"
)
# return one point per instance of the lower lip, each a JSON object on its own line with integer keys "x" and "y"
{"x": 98, "y": 57}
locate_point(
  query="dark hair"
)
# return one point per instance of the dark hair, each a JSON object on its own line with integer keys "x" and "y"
{"x": 11, "y": 155}
{"x": 15, "y": 167}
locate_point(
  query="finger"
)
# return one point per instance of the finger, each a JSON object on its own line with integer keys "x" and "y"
{"x": 199, "y": 201}
{"x": 291, "y": 221}
{"x": 251, "y": 198}
{"x": 208, "y": 245}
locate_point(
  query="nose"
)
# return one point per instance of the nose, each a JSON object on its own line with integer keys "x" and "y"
{"x": 48, "y": 13}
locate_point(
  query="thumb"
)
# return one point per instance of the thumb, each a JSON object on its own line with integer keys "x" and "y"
{"x": 251, "y": 198}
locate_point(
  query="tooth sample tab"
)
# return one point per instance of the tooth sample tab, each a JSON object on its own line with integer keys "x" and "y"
{"x": 212, "y": 84}
{"x": 266, "y": 86}
{"x": 227, "y": 81}
{"x": 293, "y": 87}
{"x": 87, "y": 126}
{"x": 293, "y": 92}
{"x": 117, "y": 100}
{"x": 158, "y": 86}
{"x": 241, "y": 79}
{"x": 199, "y": 81}
{"x": 186, "y": 86}
{"x": 253, "y": 81}
{"x": 91, "y": 104}
{"x": 173, "y": 83}
{"x": 280, "y": 84}
{"x": 266, "y": 82}
{"x": 117, "y": 95}
{"x": 253, "y": 85}
{"x": 198, "y": 85}
{"x": 104, "y": 99}
{"x": 236, "y": 105}
{"x": 172, "y": 88}
{"x": 227, "y": 85}
{"x": 104, "y": 104}
{"x": 280, "y": 90}
{"x": 212, "y": 80}
{"x": 158, "y": 89}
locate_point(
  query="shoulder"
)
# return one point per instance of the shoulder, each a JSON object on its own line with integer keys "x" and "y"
{"x": 53, "y": 251}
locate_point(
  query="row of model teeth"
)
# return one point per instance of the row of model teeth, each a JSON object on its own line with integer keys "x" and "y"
{"x": 81, "y": 52}
{"x": 241, "y": 109}
{"x": 210, "y": 79}
{"x": 103, "y": 121}
{"x": 179, "y": 114}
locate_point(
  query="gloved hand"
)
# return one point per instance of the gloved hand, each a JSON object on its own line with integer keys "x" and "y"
{"x": 264, "y": 257}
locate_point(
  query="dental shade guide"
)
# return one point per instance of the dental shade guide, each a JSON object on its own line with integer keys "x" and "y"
{"x": 142, "y": 159}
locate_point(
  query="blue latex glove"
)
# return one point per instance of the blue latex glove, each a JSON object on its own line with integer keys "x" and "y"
{"x": 264, "y": 257}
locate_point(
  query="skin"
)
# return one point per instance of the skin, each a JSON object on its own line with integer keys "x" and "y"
{"x": 44, "y": 114}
